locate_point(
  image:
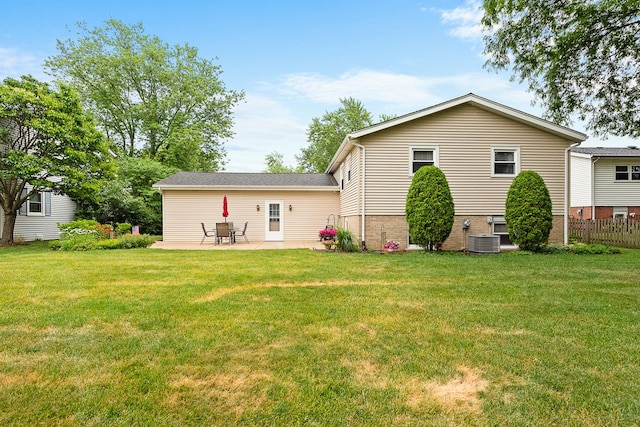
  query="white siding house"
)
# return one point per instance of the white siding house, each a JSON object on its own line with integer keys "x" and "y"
{"x": 605, "y": 182}
{"x": 38, "y": 218}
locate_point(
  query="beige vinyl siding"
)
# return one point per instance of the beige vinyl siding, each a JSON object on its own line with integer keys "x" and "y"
{"x": 184, "y": 210}
{"x": 581, "y": 182}
{"x": 350, "y": 196}
{"x": 464, "y": 136}
{"x": 608, "y": 191}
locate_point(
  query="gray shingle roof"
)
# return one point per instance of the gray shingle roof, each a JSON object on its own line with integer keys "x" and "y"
{"x": 630, "y": 151}
{"x": 233, "y": 179}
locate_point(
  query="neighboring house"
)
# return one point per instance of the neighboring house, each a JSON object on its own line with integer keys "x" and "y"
{"x": 277, "y": 207}
{"x": 38, "y": 218}
{"x": 605, "y": 182}
{"x": 480, "y": 146}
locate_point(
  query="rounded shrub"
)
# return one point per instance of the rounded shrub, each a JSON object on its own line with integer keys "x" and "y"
{"x": 528, "y": 211}
{"x": 429, "y": 208}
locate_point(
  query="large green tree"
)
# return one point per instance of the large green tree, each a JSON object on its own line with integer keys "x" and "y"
{"x": 581, "y": 58}
{"x": 325, "y": 134}
{"x": 150, "y": 98}
{"x": 47, "y": 143}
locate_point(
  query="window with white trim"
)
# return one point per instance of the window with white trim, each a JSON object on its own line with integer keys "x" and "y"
{"x": 35, "y": 204}
{"x": 38, "y": 204}
{"x": 505, "y": 161}
{"x": 499, "y": 227}
{"x": 627, "y": 172}
{"x": 349, "y": 167}
{"x": 342, "y": 177}
{"x": 422, "y": 156}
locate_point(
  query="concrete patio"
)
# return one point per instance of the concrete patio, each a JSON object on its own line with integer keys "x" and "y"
{"x": 209, "y": 245}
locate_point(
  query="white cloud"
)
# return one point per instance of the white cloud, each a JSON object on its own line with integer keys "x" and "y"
{"x": 14, "y": 63}
{"x": 399, "y": 91}
{"x": 465, "y": 19}
{"x": 364, "y": 85}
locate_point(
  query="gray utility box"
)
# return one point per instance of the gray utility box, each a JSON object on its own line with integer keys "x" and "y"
{"x": 484, "y": 243}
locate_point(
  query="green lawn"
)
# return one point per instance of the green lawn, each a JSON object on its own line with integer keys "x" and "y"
{"x": 295, "y": 337}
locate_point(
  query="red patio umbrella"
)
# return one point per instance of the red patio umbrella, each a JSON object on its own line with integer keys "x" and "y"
{"x": 225, "y": 211}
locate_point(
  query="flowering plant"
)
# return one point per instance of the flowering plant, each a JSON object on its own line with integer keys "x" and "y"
{"x": 327, "y": 233}
{"x": 392, "y": 245}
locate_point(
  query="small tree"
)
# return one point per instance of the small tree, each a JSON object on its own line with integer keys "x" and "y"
{"x": 429, "y": 208}
{"x": 528, "y": 211}
{"x": 130, "y": 197}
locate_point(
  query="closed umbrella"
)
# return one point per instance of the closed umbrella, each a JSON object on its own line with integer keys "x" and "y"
{"x": 225, "y": 210}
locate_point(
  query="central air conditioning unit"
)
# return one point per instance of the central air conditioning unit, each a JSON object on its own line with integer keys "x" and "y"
{"x": 484, "y": 243}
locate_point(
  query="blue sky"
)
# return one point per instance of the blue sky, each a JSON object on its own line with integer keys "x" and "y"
{"x": 294, "y": 60}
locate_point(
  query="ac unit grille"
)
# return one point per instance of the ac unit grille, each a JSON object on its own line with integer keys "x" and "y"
{"x": 484, "y": 243}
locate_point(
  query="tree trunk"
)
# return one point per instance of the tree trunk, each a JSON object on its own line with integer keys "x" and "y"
{"x": 7, "y": 228}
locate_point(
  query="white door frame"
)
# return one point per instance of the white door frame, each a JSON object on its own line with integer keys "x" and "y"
{"x": 274, "y": 215}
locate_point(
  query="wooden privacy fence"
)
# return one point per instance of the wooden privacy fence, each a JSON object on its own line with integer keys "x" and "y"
{"x": 613, "y": 232}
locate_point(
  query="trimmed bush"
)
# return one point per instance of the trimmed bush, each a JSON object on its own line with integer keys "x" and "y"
{"x": 429, "y": 208}
{"x": 528, "y": 211}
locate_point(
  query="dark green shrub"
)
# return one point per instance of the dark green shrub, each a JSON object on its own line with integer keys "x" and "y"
{"x": 131, "y": 241}
{"x": 584, "y": 249}
{"x": 81, "y": 226}
{"x": 79, "y": 242}
{"x": 528, "y": 211}
{"x": 346, "y": 241}
{"x": 429, "y": 208}
{"x": 123, "y": 228}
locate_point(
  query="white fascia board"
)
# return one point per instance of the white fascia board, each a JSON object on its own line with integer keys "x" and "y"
{"x": 581, "y": 155}
{"x": 243, "y": 188}
{"x": 338, "y": 154}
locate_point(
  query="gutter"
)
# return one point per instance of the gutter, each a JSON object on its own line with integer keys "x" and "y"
{"x": 362, "y": 179}
{"x": 567, "y": 189}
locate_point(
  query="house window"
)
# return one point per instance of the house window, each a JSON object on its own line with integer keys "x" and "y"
{"x": 342, "y": 177}
{"x": 622, "y": 172}
{"x": 505, "y": 161}
{"x": 423, "y": 156}
{"x": 349, "y": 168}
{"x": 36, "y": 205}
{"x": 500, "y": 229}
{"x": 620, "y": 212}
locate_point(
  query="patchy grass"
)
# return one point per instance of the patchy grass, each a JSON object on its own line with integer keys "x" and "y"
{"x": 296, "y": 337}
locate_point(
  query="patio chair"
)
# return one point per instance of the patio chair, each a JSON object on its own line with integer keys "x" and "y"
{"x": 243, "y": 233}
{"x": 206, "y": 233}
{"x": 223, "y": 231}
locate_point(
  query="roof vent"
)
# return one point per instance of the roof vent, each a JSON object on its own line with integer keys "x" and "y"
{"x": 633, "y": 147}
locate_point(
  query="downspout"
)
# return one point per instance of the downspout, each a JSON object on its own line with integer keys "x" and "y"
{"x": 567, "y": 190}
{"x": 364, "y": 154}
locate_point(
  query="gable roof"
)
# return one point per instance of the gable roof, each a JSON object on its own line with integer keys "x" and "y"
{"x": 630, "y": 151}
{"x": 472, "y": 99}
{"x": 248, "y": 181}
